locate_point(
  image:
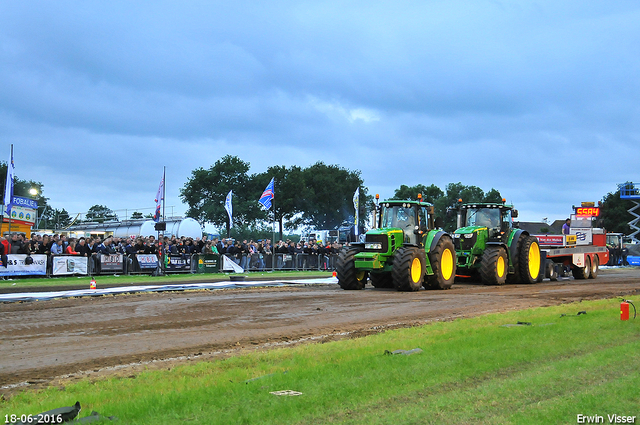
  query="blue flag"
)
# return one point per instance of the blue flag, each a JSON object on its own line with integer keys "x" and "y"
{"x": 267, "y": 195}
{"x": 8, "y": 189}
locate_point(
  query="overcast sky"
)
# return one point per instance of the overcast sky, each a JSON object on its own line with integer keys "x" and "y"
{"x": 539, "y": 100}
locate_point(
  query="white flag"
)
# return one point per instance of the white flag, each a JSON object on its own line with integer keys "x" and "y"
{"x": 356, "y": 205}
{"x": 229, "y": 207}
{"x": 8, "y": 189}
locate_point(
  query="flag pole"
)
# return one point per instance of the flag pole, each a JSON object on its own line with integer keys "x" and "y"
{"x": 164, "y": 189}
{"x": 273, "y": 242}
{"x": 11, "y": 193}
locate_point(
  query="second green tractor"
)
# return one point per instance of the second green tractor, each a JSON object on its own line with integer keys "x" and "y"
{"x": 488, "y": 247}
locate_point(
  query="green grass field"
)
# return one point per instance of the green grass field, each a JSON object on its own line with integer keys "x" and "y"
{"x": 481, "y": 370}
{"x": 83, "y": 281}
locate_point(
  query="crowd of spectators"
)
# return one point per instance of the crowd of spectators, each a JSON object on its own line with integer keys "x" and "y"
{"x": 250, "y": 255}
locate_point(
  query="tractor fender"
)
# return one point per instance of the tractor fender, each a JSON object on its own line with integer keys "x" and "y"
{"x": 433, "y": 238}
{"x": 513, "y": 243}
{"x": 502, "y": 244}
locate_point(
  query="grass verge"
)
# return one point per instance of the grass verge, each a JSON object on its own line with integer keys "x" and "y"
{"x": 478, "y": 370}
{"x": 111, "y": 280}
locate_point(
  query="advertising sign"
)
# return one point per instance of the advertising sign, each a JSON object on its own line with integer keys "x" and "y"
{"x": 147, "y": 261}
{"x": 208, "y": 263}
{"x": 20, "y": 215}
{"x": 179, "y": 263}
{"x": 111, "y": 263}
{"x": 69, "y": 265}
{"x": 16, "y": 265}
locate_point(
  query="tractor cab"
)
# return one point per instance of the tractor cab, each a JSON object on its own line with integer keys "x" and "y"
{"x": 495, "y": 217}
{"x": 413, "y": 218}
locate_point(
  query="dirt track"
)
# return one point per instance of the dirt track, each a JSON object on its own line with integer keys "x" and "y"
{"x": 44, "y": 340}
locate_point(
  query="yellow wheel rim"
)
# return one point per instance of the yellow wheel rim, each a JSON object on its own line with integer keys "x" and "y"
{"x": 500, "y": 266}
{"x": 446, "y": 264}
{"x": 360, "y": 275}
{"x": 416, "y": 270}
{"x": 534, "y": 260}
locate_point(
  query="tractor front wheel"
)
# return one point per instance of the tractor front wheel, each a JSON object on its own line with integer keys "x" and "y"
{"x": 349, "y": 277}
{"x": 409, "y": 265}
{"x": 443, "y": 265}
{"x": 493, "y": 267}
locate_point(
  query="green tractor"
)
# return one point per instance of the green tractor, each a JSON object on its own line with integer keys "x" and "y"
{"x": 406, "y": 251}
{"x": 488, "y": 245}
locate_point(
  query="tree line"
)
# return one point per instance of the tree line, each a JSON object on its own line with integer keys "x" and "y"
{"x": 318, "y": 196}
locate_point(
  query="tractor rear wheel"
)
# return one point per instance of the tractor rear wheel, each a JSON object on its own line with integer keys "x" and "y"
{"x": 409, "y": 265}
{"x": 582, "y": 272}
{"x": 529, "y": 260}
{"x": 493, "y": 267}
{"x": 595, "y": 266}
{"x": 443, "y": 264}
{"x": 381, "y": 280}
{"x": 349, "y": 277}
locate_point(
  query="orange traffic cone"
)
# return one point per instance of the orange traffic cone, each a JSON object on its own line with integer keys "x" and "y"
{"x": 93, "y": 283}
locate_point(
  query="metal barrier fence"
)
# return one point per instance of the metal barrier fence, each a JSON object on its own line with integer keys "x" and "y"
{"x": 100, "y": 264}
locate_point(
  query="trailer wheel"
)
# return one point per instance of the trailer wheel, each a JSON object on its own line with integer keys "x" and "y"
{"x": 408, "y": 268}
{"x": 381, "y": 280}
{"x": 595, "y": 266}
{"x": 529, "y": 260}
{"x": 443, "y": 265}
{"x": 349, "y": 277}
{"x": 582, "y": 272}
{"x": 493, "y": 267}
{"x": 552, "y": 271}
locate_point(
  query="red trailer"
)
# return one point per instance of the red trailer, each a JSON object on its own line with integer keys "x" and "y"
{"x": 582, "y": 251}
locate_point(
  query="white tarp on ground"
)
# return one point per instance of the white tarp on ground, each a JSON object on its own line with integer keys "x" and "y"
{"x": 43, "y": 296}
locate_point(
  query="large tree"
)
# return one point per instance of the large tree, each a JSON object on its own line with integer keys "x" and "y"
{"x": 99, "y": 214}
{"x": 429, "y": 193}
{"x": 327, "y": 197}
{"x": 206, "y": 190}
{"x": 287, "y": 201}
{"x": 614, "y": 213}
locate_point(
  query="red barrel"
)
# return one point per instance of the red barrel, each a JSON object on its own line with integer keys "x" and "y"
{"x": 624, "y": 310}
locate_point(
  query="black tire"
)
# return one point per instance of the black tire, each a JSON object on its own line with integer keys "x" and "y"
{"x": 349, "y": 277}
{"x": 582, "y": 272}
{"x": 595, "y": 267}
{"x": 515, "y": 277}
{"x": 494, "y": 266}
{"x": 381, "y": 280}
{"x": 552, "y": 271}
{"x": 443, "y": 263}
{"x": 529, "y": 260}
{"x": 409, "y": 264}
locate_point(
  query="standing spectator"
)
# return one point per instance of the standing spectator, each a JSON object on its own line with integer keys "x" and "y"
{"x": 71, "y": 248}
{"x": 566, "y": 227}
{"x": 57, "y": 248}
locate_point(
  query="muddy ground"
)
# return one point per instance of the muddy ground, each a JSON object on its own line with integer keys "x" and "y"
{"x": 54, "y": 342}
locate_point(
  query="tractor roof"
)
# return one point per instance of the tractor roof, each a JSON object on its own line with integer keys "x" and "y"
{"x": 393, "y": 202}
{"x": 487, "y": 205}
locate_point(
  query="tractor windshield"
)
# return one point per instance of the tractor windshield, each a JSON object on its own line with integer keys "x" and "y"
{"x": 487, "y": 217}
{"x": 399, "y": 217}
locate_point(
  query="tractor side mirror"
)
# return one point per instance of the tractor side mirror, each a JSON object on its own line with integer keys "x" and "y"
{"x": 438, "y": 222}
{"x": 514, "y": 213}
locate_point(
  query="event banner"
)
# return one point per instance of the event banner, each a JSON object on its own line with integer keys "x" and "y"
{"x": 111, "y": 263}
{"x": 147, "y": 261}
{"x": 16, "y": 265}
{"x": 69, "y": 265}
{"x": 179, "y": 262}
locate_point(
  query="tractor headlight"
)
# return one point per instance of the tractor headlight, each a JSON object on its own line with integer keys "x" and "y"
{"x": 468, "y": 235}
{"x": 456, "y": 235}
{"x": 373, "y": 245}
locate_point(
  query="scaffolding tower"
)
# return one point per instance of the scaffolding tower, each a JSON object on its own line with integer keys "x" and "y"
{"x": 631, "y": 191}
